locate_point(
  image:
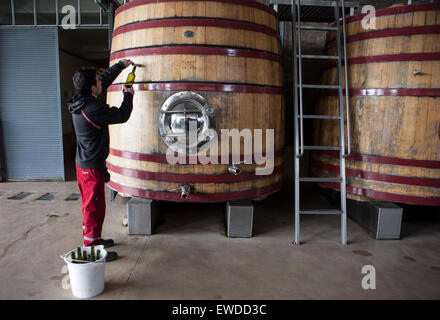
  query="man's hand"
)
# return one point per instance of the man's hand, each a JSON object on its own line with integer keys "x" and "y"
{"x": 130, "y": 90}
{"x": 127, "y": 62}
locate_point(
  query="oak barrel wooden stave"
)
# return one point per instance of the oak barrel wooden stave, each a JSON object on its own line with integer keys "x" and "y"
{"x": 231, "y": 58}
{"x": 394, "y": 87}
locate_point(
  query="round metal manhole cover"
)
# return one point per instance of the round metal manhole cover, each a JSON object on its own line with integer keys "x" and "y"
{"x": 186, "y": 122}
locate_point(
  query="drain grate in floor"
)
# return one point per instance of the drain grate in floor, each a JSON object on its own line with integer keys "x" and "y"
{"x": 73, "y": 197}
{"x": 20, "y": 195}
{"x": 47, "y": 196}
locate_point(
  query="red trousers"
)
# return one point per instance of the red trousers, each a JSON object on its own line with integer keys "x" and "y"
{"x": 91, "y": 188}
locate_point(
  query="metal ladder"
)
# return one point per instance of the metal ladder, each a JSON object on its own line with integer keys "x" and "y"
{"x": 299, "y": 116}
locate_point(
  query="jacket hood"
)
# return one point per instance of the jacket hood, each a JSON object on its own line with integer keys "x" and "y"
{"x": 76, "y": 104}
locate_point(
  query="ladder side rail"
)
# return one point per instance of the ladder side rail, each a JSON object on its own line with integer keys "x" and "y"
{"x": 301, "y": 102}
{"x": 341, "y": 132}
{"x": 347, "y": 95}
{"x": 347, "y": 105}
{"x": 296, "y": 129}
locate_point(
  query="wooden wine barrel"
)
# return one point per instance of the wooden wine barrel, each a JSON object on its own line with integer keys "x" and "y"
{"x": 224, "y": 56}
{"x": 394, "y": 87}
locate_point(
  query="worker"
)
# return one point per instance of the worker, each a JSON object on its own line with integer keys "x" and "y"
{"x": 91, "y": 118}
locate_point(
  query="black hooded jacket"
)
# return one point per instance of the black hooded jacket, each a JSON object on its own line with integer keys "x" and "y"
{"x": 91, "y": 118}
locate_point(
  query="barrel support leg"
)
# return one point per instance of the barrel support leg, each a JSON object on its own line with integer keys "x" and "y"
{"x": 382, "y": 219}
{"x": 142, "y": 216}
{"x": 239, "y": 219}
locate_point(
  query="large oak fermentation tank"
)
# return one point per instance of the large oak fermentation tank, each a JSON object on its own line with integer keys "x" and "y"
{"x": 394, "y": 82}
{"x": 215, "y": 64}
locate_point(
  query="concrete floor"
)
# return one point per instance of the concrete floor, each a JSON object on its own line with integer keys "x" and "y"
{"x": 189, "y": 256}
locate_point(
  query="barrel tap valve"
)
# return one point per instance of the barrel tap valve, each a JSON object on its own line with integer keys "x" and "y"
{"x": 234, "y": 169}
{"x": 185, "y": 191}
{"x": 417, "y": 72}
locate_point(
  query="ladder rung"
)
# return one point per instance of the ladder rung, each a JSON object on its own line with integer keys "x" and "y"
{"x": 319, "y": 117}
{"x": 338, "y": 180}
{"x": 310, "y": 56}
{"x": 322, "y": 148}
{"x": 323, "y": 211}
{"x": 317, "y": 86}
{"x": 321, "y": 28}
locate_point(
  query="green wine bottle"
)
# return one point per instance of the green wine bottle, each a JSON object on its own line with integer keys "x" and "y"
{"x": 78, "y": 251}
{"x": 98, "y": 254}
{"x": 92, "y": 253}
{"x": 130, "y": 78}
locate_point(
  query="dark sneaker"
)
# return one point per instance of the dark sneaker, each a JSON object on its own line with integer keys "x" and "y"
{"x": 107, "y": 243}
{"x": 111, "y": 256}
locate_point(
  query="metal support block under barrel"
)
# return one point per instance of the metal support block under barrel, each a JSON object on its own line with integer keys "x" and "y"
{"x": 239, "y": 219}
{"x": 142, "y": 216}
{"x": 382, "y": 219}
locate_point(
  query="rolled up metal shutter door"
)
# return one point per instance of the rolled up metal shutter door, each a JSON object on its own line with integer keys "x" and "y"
{"x": 30, "y": 114}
